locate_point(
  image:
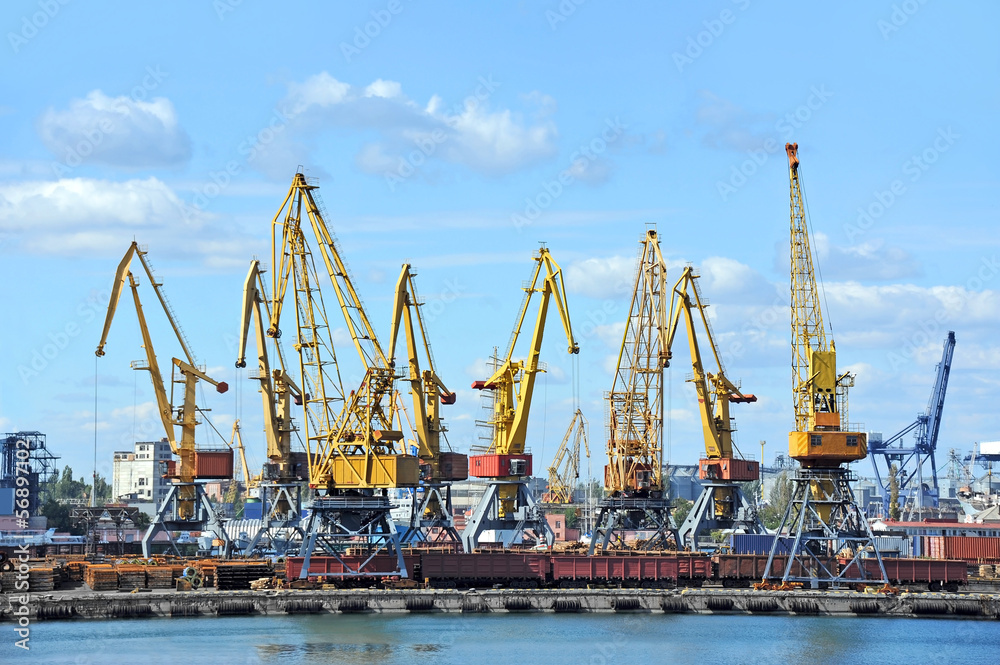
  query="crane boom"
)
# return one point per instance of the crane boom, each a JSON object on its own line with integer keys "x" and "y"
{"x": 514, "y": 380}
{"x": 350, "y": 438}
{"x": 426, "y": 387}
{"x": 821, "y": 437}
{"x": 276, "y": 387}
{"x": 715, "y": 391}
{"x": 186, "y": 415}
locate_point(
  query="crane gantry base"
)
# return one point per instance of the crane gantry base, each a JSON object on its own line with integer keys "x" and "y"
{"x": 827, "y": 531}
{"x": 620, "y": 514}
{"x": 431, "y": 518}
{"x": 720, "y": 505}
{"x": 527, "y": 519}
{"x": 202, "y": 518}
{"x": 280, "y": 532}
{"x": 358, "y": 522}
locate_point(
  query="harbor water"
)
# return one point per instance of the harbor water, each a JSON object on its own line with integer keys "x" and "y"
{"x": 511, "y": 638}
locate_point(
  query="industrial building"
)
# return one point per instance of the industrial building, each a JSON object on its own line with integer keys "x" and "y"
{"x": 137, "y": 476}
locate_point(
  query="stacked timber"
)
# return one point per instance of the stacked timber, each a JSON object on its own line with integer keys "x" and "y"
{"x": 131, "y": 576}
{"x": 42, "y": 579}
{"x": 159, "y": 577}
{"x": 237, "y": 576}
{"x": 7, "y": 581}
{"x": 101, "y": 577}
{"x": 74, "y": 570}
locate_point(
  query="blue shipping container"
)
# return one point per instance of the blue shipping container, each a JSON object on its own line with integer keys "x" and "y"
{"x": 6, "y": 500}
{"x": 253, "y": 510}
{"x": 753, "y": 543}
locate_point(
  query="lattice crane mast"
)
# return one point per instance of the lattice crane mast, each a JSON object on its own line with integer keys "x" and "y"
{"x": 564, "y": 472}
{"x": 721, "y": 504}
{"x": 823, "y": 519}
{"x": 355, "y": 453}
{"x": 633, "y": 479}
{"x": 507, "y": 505}
{"x": 186, "y": 507}
{"x": 432, "y": 514}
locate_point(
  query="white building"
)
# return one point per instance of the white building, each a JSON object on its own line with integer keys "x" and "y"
{"x": 137, "y": 475}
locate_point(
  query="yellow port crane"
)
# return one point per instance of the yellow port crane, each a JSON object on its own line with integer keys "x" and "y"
{"x": 633, "y": 479}
{"x": 564, "y": 472}
{"x": 185, "y": 507}
{"x": 721, "y": 504}
{"x": 430, "y": 516}
{"x": 507, "y": 505}
{"x": 823, "y": 522}
{"x": 354, "y": 450}
{"x": 279, "y": 483}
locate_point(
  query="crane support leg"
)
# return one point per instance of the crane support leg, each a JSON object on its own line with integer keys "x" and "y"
{"x": 280, "y": 532}
{"x": 362, "y": 523}
{"x": 527, "y": 519}
{"x": 174, "y": 515}
{"x": 826, "y": 533}
{"x": 719, "y": 506}
{"x": 431, "y": 516}
{"x": 620, "y": 514}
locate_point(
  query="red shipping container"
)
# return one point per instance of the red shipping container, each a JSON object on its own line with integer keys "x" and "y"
{"x": 728, "y": 469}
{"x": 499, "y": 466}
{"x": 208, "y": 464}
{"x": 455, "y": 466}
{"x": 934, "y": 547}
{"x": 971, "y": 549}
{"x": 213, "y": 464}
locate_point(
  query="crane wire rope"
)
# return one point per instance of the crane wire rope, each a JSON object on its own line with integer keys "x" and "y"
{"x": 820, "y": 282}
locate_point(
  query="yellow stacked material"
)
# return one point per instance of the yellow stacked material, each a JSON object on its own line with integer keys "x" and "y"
{"x": 101, "y": 577}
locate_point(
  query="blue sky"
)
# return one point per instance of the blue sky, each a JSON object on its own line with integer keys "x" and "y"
{"x": 439, "y": 133}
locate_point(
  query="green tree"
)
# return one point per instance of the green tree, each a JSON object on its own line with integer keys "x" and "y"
{"x": 572, "y": 517}
{"x": 894, "y": 492}
{"x": 779, "y": 498}
{"x": 681, "y": 509}
{"x": 141, "y": 521}
{"x": 58, "y": 515}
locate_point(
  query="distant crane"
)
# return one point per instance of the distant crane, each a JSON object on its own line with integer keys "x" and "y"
{"x": 915, "y": 489}
{"x": 564, "y": 472}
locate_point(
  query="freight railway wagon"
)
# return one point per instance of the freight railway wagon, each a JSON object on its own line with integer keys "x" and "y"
{"x": 741, "y": 570}
{"x": 518, "y": 570}
{"x": 544, "y": 570}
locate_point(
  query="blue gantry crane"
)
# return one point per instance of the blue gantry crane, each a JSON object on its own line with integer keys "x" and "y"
{"x": 916, "y": 487}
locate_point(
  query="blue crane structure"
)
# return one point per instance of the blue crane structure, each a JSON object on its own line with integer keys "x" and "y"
{"x": 910, "y": 460}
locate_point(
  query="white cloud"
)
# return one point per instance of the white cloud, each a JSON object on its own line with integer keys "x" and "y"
{"x": 470, "y": 135}
{"x": 89, "y": 217}
{"x": 731, "y": 127}
{"x": 117, "y": 131}
{"x": 872, "y": 260}
{"x": 611, "y": 277}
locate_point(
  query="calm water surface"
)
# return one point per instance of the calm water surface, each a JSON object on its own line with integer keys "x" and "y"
{"x": 543, "y": 639}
